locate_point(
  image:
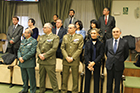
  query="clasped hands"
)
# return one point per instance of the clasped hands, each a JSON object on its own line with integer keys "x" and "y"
{"x": 11, "y": 42}
{"x": 21, "y": 60}
{"x": 69, "y": 59}
{"x": 90, "y": 66}
{"x": 41, "y": 56}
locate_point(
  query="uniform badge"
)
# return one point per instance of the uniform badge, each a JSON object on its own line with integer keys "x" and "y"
{"x": 49, "y": 40}
{"x": 22, "y": 44}
{"x": 75, "y": 40}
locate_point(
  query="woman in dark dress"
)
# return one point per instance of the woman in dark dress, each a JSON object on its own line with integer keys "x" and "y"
{"x": 93, "y": 54}
{"x": 31, "y": 23}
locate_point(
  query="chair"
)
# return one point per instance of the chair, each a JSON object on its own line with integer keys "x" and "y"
{"x": 3, "y": 39}
{"x": 6, "y": 72}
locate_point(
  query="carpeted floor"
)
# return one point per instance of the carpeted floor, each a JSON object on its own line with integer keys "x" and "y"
{"x": 4, "y": 88}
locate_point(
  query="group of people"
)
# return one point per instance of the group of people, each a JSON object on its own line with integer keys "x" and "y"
{"x": 68, "y": 41}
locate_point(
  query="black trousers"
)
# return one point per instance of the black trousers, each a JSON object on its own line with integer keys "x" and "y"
{"x": 113, "y": 74}
{"x": 96, "y": 77}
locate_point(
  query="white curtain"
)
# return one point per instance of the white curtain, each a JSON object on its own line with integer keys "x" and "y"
{"x": 29, "y": 10}
{"x": 84, "y": 11}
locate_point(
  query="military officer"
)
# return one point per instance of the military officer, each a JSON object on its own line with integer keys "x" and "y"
{"x": 46, "y": 52}
{"x": 71, "y": 49}
{"x": 27, "y": 61}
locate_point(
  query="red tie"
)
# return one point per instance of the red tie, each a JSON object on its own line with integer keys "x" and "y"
{"x": 105, "y": 20}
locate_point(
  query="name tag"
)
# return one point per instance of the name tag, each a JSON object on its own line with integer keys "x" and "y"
{"x": 49, "y": 40}
{"x": 75, "y": 40}
{"x": 29, "y": 44}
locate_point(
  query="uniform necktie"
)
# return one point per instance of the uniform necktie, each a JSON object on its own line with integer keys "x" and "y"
{"x": 70, "y": 20}
{"x": 25, "y": 40}
{"x": 105, "y": 20}
{"x": 115, "y": 46}
{"x": 70, "y": 37}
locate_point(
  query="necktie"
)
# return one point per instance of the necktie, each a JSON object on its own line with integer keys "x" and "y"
{"x": 115, "y": 46}
{"x": 105, "y": 20}
{"x": 25, "y": 40}
{"x": 13, "y": 28}
{"x": 70, "y": 37}
{"x": 70, "y": 20}
{"x": 94, "y": 53}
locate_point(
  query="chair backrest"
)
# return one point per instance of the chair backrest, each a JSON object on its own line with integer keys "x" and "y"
{"x": 3, "y": 36}
{"x": 59, "y": 65}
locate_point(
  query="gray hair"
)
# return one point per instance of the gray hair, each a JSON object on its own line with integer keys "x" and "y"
{"x": 31, "y": 32}
{"x": 60, "y": 20}
{"x": 49, "y": 25}
{"x": 73, "y": 25}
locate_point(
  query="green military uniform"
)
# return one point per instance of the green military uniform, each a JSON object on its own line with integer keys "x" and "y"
{"x": 48, "y": 44}
{"x": 27, "y": 51}
{"x": 71, "y": 48}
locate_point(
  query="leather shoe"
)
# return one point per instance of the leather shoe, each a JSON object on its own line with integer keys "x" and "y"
{"x": 23, "y": 92}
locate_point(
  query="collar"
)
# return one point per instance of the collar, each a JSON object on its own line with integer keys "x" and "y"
{"x": 49, "y": 34}
{"x": 72, "y": 35}
{"x": 115, "y": 39}
{"x": 16, "y": 25}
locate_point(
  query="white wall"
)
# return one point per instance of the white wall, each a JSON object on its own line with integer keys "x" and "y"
{"x": 129, "y": 24}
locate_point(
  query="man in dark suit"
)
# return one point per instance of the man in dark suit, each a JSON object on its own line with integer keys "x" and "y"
{"x": 117, "y": 51}
{"x": 60, "y": 31}
{"x": 106, "y": 24}
{"x": 27, "y": 61}
{"x": 71, "y": 19}
{"x": 14, "y": 36}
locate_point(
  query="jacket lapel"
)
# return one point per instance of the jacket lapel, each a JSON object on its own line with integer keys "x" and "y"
{"x": 15, "y": 30}
{"x": 119, "y": 45}
{"x": 108, "y": 20}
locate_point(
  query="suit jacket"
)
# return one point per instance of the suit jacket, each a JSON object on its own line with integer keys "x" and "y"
{"x": 61, "y": 33}
{"x": 108, "y": 28}
{"x": 27, "y": 51}
{"x": 89, "y": 50}
{"x": 15, "y": 36}
{"x": 117, "y": 58}
{"x": 48, "y": 44}
{"x": 67, "y": 20}
{"x": 72, "y": 48}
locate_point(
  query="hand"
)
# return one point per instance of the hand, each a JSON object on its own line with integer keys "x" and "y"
{"x": 91, "y": 64}
{"x": 11, "y": 42}
{"x": 21, "y": 60}
{"x": 90, "y": 68}
{"x": 69, "y": 59}
{"x": 41, "y": 56}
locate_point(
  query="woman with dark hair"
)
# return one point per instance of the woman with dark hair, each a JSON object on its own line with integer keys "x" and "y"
{"x": 79, "y": 27}
{"x": 55, "y": 17}
{"x": 93, "y": 24}
{"x": 31, "y": 23}
{"x": 94, "y": 51}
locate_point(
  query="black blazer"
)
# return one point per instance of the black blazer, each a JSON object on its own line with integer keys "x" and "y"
{"x": 89, "y": 49}
{"x": 61, "y": 33}
{"x": 117, "y": 58}
{"x": 110, "y": 25}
